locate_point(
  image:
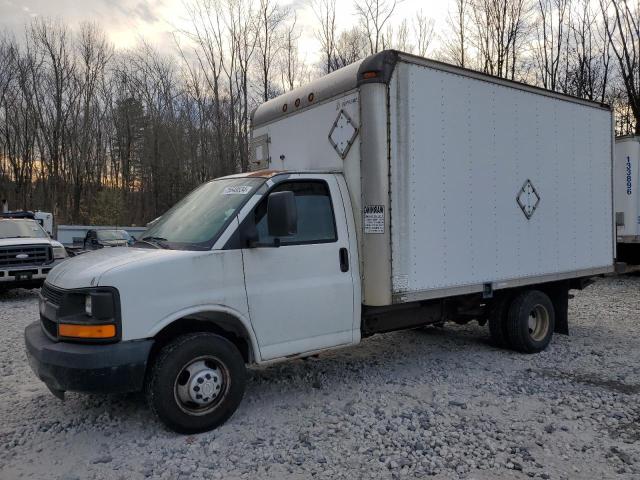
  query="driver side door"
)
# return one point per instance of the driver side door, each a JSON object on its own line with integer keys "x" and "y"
{"x": 300, "y": 294}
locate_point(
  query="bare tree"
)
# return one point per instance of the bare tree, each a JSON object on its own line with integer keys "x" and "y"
{"x": 351, "y": 46}
{"x": 17, "y": 126}
{"x": 205, "y": 16}
{"x": 52, "y": 70}
{"x": 325, "y": 12}
{"x": 8, "y": 51}
{"x": 422, "y": 32}
{"x": 397, "y": 38}
{"x": 500, "y": 27}
{"x": 373, "y": 16}
{"x": 589, "y": 56}
{"x": 94, "y": 53}
{"x": 290, "y": 56}
{"x": 247, "y": 37}
{"x": 552, "y": 42}
{"x": 457, "y": 44}
{"x": 271, "y": 19}
{"x": 622, "y": 24}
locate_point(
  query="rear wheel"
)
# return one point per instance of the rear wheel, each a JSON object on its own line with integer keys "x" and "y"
{"x": 498, "y": 322}
{"x": 196, "y": 383}
{"x": 530, "y": 322}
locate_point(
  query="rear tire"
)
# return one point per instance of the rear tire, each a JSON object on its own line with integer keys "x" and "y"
{"x": 498, "y": 322}
{"x": 530, "y": 322}
{"x": 196, "y": 382}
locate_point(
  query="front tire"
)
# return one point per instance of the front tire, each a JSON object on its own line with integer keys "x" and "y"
{"x": 196, "y": 383}
{"x": 530, "y": 322}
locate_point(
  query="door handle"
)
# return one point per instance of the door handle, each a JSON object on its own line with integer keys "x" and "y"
{"x": 344, "y": 260}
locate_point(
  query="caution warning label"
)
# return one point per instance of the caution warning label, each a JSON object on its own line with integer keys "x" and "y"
{"x": 374, "y": 219}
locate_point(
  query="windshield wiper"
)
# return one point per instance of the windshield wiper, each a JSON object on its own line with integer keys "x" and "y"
{"x": 157, "y": 241}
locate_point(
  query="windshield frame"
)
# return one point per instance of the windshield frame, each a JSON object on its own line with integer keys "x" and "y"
{"x": 206, "y": 245}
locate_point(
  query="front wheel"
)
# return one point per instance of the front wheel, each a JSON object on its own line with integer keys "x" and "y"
{"x": 530, "y": 322}
{"x": 196, "y": 383}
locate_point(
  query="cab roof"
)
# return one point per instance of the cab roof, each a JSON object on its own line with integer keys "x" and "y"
{"x": 258, "y": 174}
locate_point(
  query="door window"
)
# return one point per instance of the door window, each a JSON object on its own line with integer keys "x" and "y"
{"x": 316, "y": 222}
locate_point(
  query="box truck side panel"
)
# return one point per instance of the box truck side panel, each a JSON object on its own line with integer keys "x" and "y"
{"x": 300, "y": 142}
{"x": 492, "y": 184}
{"x": 627, "y": 194}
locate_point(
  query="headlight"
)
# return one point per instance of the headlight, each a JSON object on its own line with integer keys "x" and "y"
{"x": 91, "y": 314}
{"x": 59, "y": 252}
{"x": 88, "y": 305}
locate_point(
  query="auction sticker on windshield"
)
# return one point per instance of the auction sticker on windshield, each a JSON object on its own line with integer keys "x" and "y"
{"x": 237, "y": 190}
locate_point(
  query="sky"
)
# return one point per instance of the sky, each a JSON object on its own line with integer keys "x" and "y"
{"x": 125, "y": 21}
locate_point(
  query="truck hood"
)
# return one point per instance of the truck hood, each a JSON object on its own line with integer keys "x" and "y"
{"x": 87, "y": 269}
{"x": 10, "y": 242}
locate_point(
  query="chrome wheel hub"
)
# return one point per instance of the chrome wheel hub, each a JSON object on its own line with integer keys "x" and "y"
{"x": 538, "y": 323}
{"x": 200, "y": 382}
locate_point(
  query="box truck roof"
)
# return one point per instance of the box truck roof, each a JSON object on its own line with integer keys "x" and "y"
{"x": 377, "y": 68}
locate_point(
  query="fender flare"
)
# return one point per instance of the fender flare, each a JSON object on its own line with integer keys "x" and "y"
{"x": 211, "y": 308}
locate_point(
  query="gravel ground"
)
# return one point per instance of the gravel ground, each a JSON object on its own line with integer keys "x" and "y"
{"x": 439, "y": 402}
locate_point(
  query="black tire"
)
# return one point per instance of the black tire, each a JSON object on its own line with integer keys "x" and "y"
{"x": 498, "y": 322}
{"x": 166, "y": 383}
{"x": 535, "y": 305}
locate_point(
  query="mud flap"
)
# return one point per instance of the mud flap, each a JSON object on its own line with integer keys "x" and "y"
{"x": 559, "y": 295}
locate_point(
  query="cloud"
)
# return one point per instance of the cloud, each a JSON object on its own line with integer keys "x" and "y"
{"x": 144, "y": 12}
{"x": 136, "y": 9}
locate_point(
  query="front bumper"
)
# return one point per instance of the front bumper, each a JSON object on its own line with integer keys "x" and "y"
{"x": 117, "y": 367}
{"x": 26, "y": 274}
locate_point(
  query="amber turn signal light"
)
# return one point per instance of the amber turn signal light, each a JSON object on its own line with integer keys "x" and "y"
{"x": 87, "y": 331}
{"x": 368, "y": 75}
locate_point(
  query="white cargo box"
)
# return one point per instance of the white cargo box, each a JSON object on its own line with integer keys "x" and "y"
{"x": 460, "y": 182}
{"x": 627, "y": 195}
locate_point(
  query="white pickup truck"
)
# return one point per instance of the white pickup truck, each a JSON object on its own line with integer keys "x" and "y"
{"x": 27, "y": 253}
{"x": 391, "y": 194}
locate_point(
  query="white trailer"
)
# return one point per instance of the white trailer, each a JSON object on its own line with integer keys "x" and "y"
{"x": 627, "y": 198}
{"x": 394, "y": 193}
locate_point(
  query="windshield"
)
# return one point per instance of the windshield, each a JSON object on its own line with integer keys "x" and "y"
{"x": 21, "y": 229}
{"x": 112, "y": 235}
{"x": 196, "y": 220}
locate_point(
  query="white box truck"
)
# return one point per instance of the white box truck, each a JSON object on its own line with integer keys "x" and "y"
{"x": 627, "y": 198}
{"x": 391, "y": 194}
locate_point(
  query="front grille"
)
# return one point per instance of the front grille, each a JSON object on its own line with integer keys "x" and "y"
{"x": 51, "y": 294}
{"x": 23, "y": 255}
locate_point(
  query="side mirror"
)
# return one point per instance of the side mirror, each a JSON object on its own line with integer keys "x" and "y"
{"x": 282, "y": 214}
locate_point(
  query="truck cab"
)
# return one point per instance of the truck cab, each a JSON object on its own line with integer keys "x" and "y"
{"x": 265, "y": 264}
